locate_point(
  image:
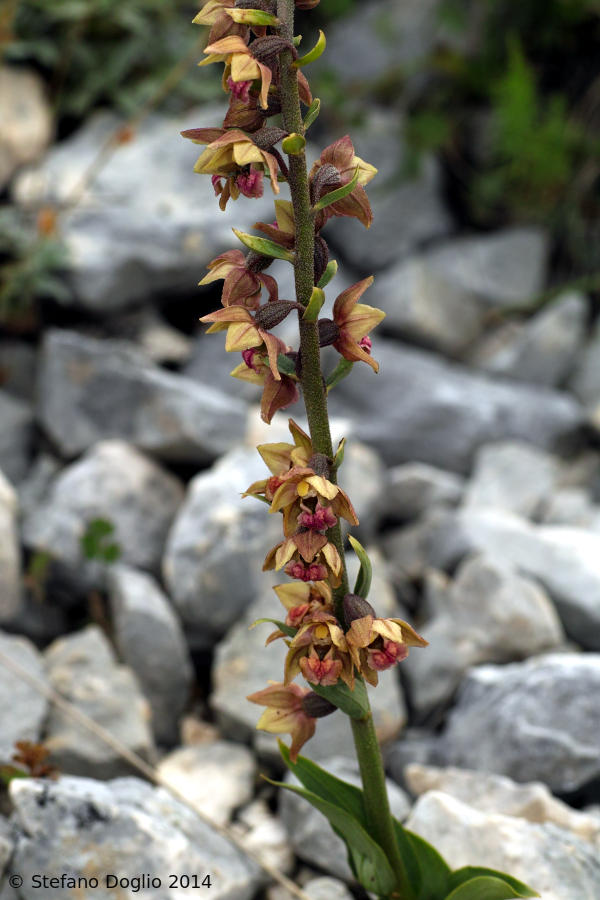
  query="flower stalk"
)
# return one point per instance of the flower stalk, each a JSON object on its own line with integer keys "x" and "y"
{"x": 335, "y": 640}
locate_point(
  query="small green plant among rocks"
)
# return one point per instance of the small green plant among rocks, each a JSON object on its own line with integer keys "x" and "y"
{"x": 336, "y": 641}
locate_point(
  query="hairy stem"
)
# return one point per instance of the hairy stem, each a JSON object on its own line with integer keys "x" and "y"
{"x": 315, "y": 399}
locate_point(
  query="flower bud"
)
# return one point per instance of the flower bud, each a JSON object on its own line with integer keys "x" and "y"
{"x": 268, "y": 136}
{"x": 317, "y": 707}
{"x": 356, "y": 607}
{"x": 326, "y": 178}
{"x": 271, "y": 314}
{"x": 319, "y": 464}
{"x": 265, "y": 5}
{"x": 321, "y": 257}
{"x": 267, "y": 49}
{"x": 329, "y": 332}
{"x": 256, "y": 262}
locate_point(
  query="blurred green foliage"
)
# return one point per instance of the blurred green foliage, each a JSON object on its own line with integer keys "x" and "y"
{"x": 31, "y": 265}
{"x": 97, "y": 543}
{"x": 113, "y": 52}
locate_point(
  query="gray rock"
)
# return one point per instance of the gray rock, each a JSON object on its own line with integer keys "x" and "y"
{"x": 491, "y": 615}
{"x": 533, "y": 721}
{"x": 543, "y": 350}
{"x": 216, "y": 777}
{"x": 563, "y": 559}
{"x": 424, "y": 306}
{"x": 502, "y": 269}
{"x": 243, "y": 665}
{"x": 162, "y": 343}
{"x": 513, "y": 476}
{"x": 585, "y": 382}
{"x": 26, "y": 120}
{"x": 115, "y": 482}
{"x": 363, "y": 477}
{"x": 83, "y": 669}
{"x": 421, "y": 408}
{"x": 317, "y": 889}
{"x": 217, "y": 544}
{"x": 150, "y": 640}
{"x": 310, "y": 832}
{"x": 571, "y": 506}
{"x": 126, "y": 827}
{"x": 91, "y": 389}
{"x": 557, "y": 864}
{"x": 263, "y": 833}
{"x": 10, "y": 554}
{"x": 6, "y": 845}
{"x": 379, "y": 36}
{"x": 16, "y": 436}
{"x": 35, "y": 487}
{"x": 18, "y": 362}
{"x": 498, "y": 794}
{"x": 413, "y": 488}
{"x": 406, "y": 212}
{"x": 126, "y": 241}
{"x": 22, "y": 708}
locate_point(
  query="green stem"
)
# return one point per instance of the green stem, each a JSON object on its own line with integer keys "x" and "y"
{"x": 315, "y": 398}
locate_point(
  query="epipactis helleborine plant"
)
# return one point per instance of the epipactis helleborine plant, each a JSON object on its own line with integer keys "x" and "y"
{"x": 336, "y": 641}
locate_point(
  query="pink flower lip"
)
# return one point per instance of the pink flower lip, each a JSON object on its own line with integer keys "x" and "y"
{"x": 366, "y": 343}
{"x": 250, "y": 183}
{"x": 239, "y": 89}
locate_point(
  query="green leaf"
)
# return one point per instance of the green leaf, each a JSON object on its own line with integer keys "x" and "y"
{"x": 313, "y": 54}
{"x": 293, "y": 144}
{"x": 343, "y": 369}
{"x": 460, "y": 876}
{"x": 252, "y": 17}
{"x": 111, "y": 553}
{"x": 313, "y": 308}
{"x": 326, "y": 786}
{"x": 365, "y": 573}
{"x": 287, "y": 629}
{"x": 328, "y": 274}
{"x": 338, "y": 194}
{"x": 338, "y": 459}
{"x": 372, "y": 868}
{"x": 354, "y": 703}
{"x": 264, "y": 246}
{"x": 313, "y": 111}
{"x": 427, "y": 871}
{"x": 486, "y": 888}
{"x": 286, "y": 366}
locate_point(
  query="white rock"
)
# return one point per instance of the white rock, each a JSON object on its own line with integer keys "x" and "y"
{"x": 215, "y": 778}
{"x": 554, "y": 862}
{"x": 150, "y": 640}
{"x": 498, "y": 794}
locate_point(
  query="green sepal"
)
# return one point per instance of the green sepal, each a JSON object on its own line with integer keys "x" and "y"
{"x": 252, "y": 17}
{"x": 313, "y": 111}
{"x": 313, "y": 54}
{"x": 354, "y": 703}
{"x": 297, "y": 40}
{"x": 426, "y": 871}
{"x": 264, "y": 246}
{"x": 485, "y": 887}
{"x": 341, "y": 371}
{"x": 370, "y": 863}
{"x": 314, "y": 305}
{"x": 286, "y": 365}
{"x": 293, "y": 144}
{"x": 365, "y": 573}
{"x": 328, "y": 274}
{"x": 467, "y": 873}
{"x": 338, "y": 459}
{"x": 287, "y": 629}
{"x": 338, "y": 194}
